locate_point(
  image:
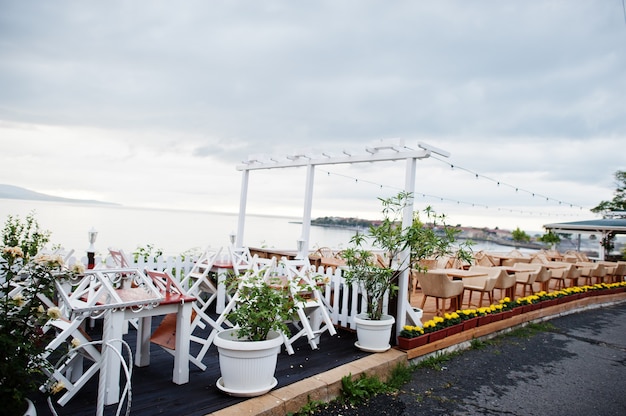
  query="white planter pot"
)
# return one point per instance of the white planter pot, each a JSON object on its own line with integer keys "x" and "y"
{"x": 247, "y": 367}
{"x": 373, "y": 335}
{"x": 31, "y": 410}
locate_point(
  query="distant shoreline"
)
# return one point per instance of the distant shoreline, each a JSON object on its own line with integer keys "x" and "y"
{"x": 23, "y": 194}
{"x": 320, "y": 222}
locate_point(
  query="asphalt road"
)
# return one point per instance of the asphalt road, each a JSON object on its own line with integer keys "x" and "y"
{"x": 573, "y": 365}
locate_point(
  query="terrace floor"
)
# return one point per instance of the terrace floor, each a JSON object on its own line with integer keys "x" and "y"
{"x": 154, "y": 393}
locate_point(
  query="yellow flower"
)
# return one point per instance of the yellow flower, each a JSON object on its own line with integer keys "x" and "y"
{"x": 75, "y": 343}
{"x": 54, "y": 313}
{"x": 430, "y": 323}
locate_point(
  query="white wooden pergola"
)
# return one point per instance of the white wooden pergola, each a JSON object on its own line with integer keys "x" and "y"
{"x": 388, "y": 150}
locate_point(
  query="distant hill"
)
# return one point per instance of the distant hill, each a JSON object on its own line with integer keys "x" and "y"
{"x": 15, "y": 192}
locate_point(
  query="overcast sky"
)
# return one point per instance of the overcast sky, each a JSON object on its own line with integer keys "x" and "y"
{"x": 155, "y": 103}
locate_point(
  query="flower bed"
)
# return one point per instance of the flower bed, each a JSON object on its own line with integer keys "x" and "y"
{"x": 463, "y": 320}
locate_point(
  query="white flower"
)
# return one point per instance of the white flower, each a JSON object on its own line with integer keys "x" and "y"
{"x": 75, "y": 342}
{"x": 78, "y": 268}
{"x": 19, "y": 299}
{"x": 54, "y": 313}
{"x": 53, "y": 261}
{"x": 13, "y": 251}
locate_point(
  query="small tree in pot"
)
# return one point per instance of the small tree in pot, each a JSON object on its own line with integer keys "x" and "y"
{"x": 418, "y": 241}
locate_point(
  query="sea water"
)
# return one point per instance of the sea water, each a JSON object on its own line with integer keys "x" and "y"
{"x": 172, "y": 231}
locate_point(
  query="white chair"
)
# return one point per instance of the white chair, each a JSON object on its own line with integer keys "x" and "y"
{"x": 165, "y": 334}
{"x": 312, "y": 311}
{"x": 79, "y": 365}
{"x": 119, "y": 258}
{"x": 241, "y": 259}
{"x": 198, "y": 283}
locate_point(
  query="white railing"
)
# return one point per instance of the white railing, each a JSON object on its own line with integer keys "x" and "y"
{"x": 178, "y": 266}
{"x": 344, "y": 302}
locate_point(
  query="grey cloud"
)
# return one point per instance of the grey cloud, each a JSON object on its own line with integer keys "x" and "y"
{"x": 270, "y": 72}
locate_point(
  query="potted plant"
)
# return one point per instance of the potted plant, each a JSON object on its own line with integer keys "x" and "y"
{"x": 248, "y": 352}
{"x": 435, "y": 328}
{"x": 412, "y": 336}
{"x": 469, "y": 317}
{"x": 27, "y": 284}
{"x": 402, "y": 247}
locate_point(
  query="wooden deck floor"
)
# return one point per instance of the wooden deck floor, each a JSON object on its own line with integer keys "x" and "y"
{"x": 154, "y": 393}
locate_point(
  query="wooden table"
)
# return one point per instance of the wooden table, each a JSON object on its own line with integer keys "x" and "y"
{"x": 513, "y": 269}
{"x": 119, "y": 295}
{"x": 517, "y": 259}
{"x": 332, "y": 262}
{"x": 458, "y": 273}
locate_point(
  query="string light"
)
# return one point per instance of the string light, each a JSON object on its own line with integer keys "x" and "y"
{"x": 459, "y": 202}
{"x": 517, "y": 188}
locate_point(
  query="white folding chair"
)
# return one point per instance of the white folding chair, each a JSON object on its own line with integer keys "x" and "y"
{"x": 165, "y": 334}
{"x": 119, "y": 257}
{"x": 121, "y": 260}
{"x": 76, "y": 366}
{"x": 312, "y": 311}
{"x": 241, "y": 259}
{"x": 198, "y": 283}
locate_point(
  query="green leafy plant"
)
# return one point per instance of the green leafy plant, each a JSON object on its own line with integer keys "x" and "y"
{"x": 618, "y": 203}
{"x": 550, "y": 238}
{"x": 519, "y": 235}
{"x": 23, "y": 312}
{"x": 436, "y": 361}
{"x": 400, "y": 375}
{"x": 403, "y": 248}
{"x": 265, "y": 304}
{"x": 147, "y": 252}
{"x": 357, "y": 390}
{"x": 26, "y": 234}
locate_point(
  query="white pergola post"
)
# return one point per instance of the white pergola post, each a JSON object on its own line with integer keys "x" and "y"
{"x": 407, "y": 220}
{"x": 306, "y": 215}
{"x": 243, "y": 199}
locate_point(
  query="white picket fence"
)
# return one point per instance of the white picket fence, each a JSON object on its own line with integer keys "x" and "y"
{"x": 344, "y": 302}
